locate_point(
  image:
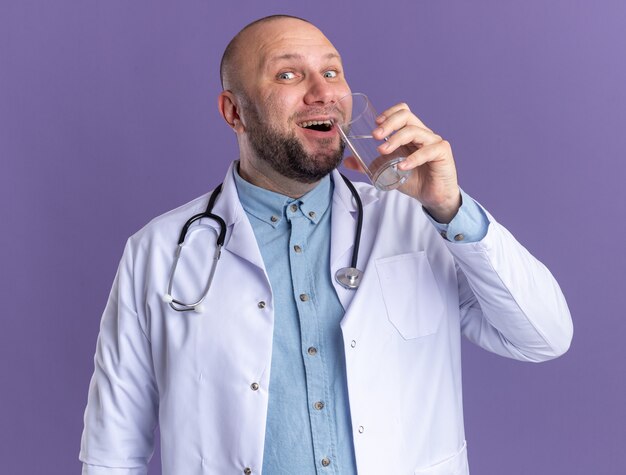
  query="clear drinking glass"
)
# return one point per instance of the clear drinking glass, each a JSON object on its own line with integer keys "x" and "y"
{"x": 356, "y": 132}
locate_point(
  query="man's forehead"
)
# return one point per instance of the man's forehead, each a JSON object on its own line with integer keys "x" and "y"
{"x": 285, "y": 39}
{"x": 284, "y": 26}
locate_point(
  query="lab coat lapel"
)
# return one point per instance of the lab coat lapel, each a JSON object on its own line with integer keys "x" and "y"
{"x": 240, "y": 239}
{"x": 343, "y": 231}
{"x": 343, "y": 224}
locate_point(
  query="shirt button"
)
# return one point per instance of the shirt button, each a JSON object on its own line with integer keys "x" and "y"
{"x": 273, "y": 219}
{"x": 261, "y": 304}
{"x": 444, "y": 234}
{"x": 459, "y": 237}
{"x": 312, "y": 351}
{"x": 294, "y": 208}
{"x": 361, "y": 429}
{"x": 254, "y": 386}
{"x": 247, "y": 470}
{"x": 353, "y": 343}
{"x": 312, "y": 214}
{"x": 325, "y": 462}
{"x": 297, "y": 248}
{"x": 304, "y": 297}
{"x": 319, "y": 405}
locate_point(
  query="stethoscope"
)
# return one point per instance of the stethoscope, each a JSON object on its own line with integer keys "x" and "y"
{"x": 347, "y": 277}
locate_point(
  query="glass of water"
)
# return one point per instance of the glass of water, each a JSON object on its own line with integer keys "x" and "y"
{"x": 356, "y": 131}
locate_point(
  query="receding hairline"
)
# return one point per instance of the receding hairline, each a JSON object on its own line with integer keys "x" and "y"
{"x": 233, "y": 45}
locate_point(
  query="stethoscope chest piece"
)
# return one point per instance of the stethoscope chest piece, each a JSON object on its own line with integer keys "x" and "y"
{"x": 348, "y": 277}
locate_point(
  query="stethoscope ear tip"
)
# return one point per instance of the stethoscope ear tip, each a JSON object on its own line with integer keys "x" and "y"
{"x": 199, "y": 308}
{"x": 167, "y": 298}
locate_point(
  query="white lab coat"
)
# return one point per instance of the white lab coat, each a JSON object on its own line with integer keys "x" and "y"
{"x": 194, "y": 373}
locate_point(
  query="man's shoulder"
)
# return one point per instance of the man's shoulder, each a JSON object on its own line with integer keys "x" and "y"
{"x": 168, "y": 225}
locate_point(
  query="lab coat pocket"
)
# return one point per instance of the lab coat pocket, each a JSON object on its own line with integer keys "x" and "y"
{"x": 410, "y": 293}
{"x": 455, "y": 465}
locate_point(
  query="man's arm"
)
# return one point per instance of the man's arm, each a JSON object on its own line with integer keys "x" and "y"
{"x": 121, "y": 413}
{"x": 510, "y": 303}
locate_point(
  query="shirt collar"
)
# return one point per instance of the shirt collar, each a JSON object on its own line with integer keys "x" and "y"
{"x": 271, "y": 207}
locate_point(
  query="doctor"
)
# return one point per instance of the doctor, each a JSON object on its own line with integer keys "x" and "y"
{"x": 283, "y": 371}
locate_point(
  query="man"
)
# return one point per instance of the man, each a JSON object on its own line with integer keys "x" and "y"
{"x": 282, "y": 370}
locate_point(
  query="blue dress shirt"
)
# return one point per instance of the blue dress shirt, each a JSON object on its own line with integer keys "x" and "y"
{"x": 308, "y": 422}
{"x": 309, "y": 430}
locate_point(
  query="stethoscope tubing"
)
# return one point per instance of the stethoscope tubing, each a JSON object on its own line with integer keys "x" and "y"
{"x": 359, "y": 221}
{"x": 351, "y": 282}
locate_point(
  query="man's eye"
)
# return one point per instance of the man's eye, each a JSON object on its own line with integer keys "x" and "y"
{"x": 330, "y": 74}
{"x": 286, "y": 75}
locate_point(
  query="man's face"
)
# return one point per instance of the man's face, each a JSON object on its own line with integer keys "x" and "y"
{"x": 291, "y": 77}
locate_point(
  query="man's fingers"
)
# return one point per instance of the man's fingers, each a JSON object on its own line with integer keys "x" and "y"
{"x": 410, "y": 134}
{"x": 392, "y": 110}
{"x": 396, "y": 117}
{"x": 428, "y": 153}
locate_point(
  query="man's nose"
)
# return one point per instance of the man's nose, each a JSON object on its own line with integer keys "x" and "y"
{"x": 320, "y": 91}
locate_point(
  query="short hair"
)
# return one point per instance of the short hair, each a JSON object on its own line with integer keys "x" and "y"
{"x": 231, "y": 48}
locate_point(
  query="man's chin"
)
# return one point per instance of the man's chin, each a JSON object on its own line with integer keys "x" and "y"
{"x": 329, "y": 153}
{"x": 328, "y": 144}
{"x": 296, "y": 157}
{"x": 310, "y": 168}
{"x": 327, "y": 163}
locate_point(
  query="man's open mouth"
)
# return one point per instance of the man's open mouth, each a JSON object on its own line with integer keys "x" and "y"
{"x": 319, "y": 125}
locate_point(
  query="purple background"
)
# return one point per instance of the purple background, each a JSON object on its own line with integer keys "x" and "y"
{"x": 108, "y": 117}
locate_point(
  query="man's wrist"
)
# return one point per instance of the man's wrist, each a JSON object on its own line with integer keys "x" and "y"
{"x": 445, "y": 213}
{"x": 469, "y": 224}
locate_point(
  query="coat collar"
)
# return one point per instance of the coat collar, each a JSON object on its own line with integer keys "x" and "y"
{"x": 240, "y": 239}
{"x": 344, "y": 219}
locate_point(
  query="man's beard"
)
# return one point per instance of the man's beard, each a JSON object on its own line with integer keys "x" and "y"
{"x": 286, "y": 155}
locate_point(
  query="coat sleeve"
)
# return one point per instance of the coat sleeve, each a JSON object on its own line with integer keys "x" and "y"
{"x": 122, "y": 406}
{"x": 510, "y": 302}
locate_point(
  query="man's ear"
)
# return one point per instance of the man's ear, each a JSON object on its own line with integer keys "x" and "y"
{"x": 229, "y": 109}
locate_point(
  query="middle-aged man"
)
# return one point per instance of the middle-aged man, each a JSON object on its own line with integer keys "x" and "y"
{"x": 282, "y": 370}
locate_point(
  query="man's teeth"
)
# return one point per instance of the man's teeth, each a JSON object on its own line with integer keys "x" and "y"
{"x": 311, "y": 123}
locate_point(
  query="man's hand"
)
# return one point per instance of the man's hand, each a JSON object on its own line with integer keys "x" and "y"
{"x": 433, "y": 180}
